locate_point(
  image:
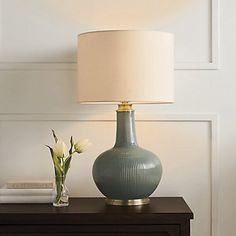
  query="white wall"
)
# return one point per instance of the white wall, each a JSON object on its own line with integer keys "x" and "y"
{"x": 195, "y": 137}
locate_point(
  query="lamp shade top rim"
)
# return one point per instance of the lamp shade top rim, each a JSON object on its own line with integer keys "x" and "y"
{"x": 122, "y": 31}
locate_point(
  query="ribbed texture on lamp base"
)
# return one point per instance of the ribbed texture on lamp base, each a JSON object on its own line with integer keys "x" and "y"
{"x": 127, "y": 171}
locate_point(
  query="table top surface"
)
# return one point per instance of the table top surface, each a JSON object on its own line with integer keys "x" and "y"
{"x": 159, "y": 205}
{"x": 88, "y": 208}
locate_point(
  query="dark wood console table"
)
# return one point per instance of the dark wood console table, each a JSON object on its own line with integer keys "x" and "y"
{"x": 164, "y": 216}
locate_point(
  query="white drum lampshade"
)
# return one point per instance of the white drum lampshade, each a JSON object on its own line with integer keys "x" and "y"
{"x": 132, "y": 66}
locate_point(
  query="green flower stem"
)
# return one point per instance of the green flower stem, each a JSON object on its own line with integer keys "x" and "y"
{"x": 67, "y": 163}
{"x": 60, "y": 181}
{"x": 61, "y": 169}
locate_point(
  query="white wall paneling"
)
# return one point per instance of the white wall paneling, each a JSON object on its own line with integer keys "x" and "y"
{"x": 42, "y": 34}
{"x": 190, "y": 165}
{"x": 213, "y": 47}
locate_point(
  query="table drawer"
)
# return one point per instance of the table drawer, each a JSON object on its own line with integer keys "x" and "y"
{"x": 90, "y": 230}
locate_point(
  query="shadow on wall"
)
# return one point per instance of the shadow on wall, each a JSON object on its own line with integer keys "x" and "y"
{"x": 122, "y": 14}
{"x": 53, "y": 25}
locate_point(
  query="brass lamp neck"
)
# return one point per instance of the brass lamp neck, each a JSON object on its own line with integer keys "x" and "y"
{"x": 124, "y": 106}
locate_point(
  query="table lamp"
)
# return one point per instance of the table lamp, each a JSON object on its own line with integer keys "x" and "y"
{"x": 126, "y": 67}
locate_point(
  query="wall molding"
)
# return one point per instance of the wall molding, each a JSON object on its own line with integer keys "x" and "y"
{"x": 212, "y": 64}
{"x": 211, "y": 119}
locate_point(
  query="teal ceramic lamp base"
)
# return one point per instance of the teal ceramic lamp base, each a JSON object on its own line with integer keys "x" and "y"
{"x": 127, "y": 174}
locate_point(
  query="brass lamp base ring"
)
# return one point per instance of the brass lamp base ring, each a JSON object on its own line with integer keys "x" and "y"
{"x": 128, "y": 202}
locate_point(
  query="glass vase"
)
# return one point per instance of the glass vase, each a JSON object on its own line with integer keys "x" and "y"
{"x": 62, "y": 194}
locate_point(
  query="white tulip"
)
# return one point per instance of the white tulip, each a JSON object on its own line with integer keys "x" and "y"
{"x": 60, "y": 149}
{"x": 82, "y": 145}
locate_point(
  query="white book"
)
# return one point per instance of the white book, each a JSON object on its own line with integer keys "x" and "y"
{"x": 29, "y": 185}
{"x": 26, "y": 192}
{"x": 27, "y": 199}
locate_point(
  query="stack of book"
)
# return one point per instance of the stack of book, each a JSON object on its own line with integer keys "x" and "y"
{"x": 27, "y": 192}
